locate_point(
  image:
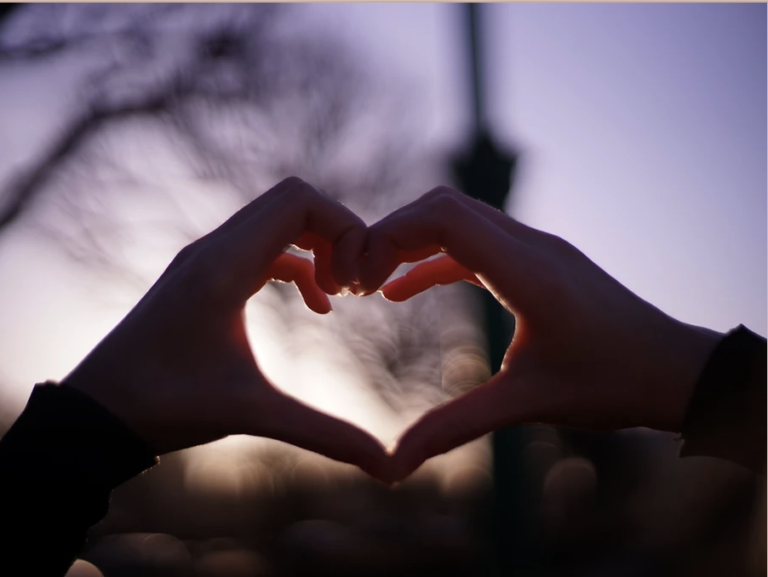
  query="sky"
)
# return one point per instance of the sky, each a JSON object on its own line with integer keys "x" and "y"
{"x": 641, "y": 129}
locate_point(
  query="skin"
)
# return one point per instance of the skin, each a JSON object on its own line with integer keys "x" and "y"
{"x": 179, "y": 369}
{"x": 587, "y": 352}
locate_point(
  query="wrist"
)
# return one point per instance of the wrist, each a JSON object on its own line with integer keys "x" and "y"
{"x": 111, "y": 390}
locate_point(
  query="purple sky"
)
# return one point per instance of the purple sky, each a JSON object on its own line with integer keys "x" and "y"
{"x": 645, "y": 132}
{"x": 642, "y": 129}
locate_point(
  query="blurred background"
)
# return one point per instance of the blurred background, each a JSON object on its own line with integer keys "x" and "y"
{"x": 637, "y": 132}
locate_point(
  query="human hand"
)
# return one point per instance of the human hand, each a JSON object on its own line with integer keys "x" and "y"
{"x": 587, "y": 352}
{"x": 179, "y": 370}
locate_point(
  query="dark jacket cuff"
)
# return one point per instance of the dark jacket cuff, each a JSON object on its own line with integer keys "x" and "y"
{"x": 726, "y": 415}
{"x": 66, "y": 439}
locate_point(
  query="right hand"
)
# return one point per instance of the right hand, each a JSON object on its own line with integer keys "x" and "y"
{"x": 587, "y": 352}
{"x": 179, "y": 369}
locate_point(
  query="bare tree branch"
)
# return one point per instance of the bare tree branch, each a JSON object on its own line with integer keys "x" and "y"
{"x": 239, "y": 104}
{"x": 26, "y": 187}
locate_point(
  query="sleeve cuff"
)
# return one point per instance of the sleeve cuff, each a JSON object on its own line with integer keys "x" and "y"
{"x": 64, "y": 432}
{"x": 726, "y": 415}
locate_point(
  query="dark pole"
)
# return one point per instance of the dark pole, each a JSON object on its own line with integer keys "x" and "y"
{"x": 486, "y": 173}
{"x": 476, "y": 72}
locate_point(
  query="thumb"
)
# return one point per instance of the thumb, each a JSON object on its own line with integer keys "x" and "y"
{"x": 440, "y": 271}
{"x": 486, "y": 408}
{"x": 288, "y": 420}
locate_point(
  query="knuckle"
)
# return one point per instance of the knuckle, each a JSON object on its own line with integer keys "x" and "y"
{"x": 299, "y": 192}
{"x": 440, "y": 192}
{"x": 445, "y": 202}
{"x": 292, "y": 181}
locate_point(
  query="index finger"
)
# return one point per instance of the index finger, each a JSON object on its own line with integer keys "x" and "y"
{"x": 441, "y": 221}
{"x": 440, "y": 271}
{"x": 295, "y": 210}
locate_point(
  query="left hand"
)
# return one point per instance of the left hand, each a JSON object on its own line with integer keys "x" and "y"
{"x": 587, "y": 352}
{"x": 179, "y": 369}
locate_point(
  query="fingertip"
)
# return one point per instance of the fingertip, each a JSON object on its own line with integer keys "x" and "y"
{"x": 406, "y": 458}
{"x": 319, "y": 308}
{"x": 325, "y": 304}
{"x": 392, "y": 294}
{"x": 324, "y": 276}
{"x": 382, "y": 475}
{"x": 324, "y": 310}
{"x": 314, "y": 298}
{"x": 375, "y": 460}
{"x": 345, "y": 261}
{"x": 402, "y": 471}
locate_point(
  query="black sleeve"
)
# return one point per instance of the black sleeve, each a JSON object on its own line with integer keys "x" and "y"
{"x": 58, "y": 464}
{"x": 726, "y": 415}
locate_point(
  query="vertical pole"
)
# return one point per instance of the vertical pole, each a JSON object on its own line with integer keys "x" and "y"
{"x": 476, "y": 63}
{"x": 487, "y": 174}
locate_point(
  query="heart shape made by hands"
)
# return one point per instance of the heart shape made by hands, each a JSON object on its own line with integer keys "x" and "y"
{"x": 586, "y": 352}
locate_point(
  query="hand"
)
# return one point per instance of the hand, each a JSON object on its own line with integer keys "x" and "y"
{"x": 179, "y": 370}
{"x": 586, "y": 352}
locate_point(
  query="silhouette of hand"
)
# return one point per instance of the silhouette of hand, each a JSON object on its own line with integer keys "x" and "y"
{"x": 587, "y": 352}
{"x": 179, "y": 369}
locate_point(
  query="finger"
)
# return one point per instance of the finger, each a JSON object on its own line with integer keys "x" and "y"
{"x": 503, "y": 220}
{"x": 254, "y": 207}
{"x": 347, "y": 252}
{"x": 486, "y": 408}
{"x": 292, "y": 268}
{"x": 231, "y": 223}
{"x": 387, "y": 257}
{"x": 441, "y": 218}
{"x": 303, "y": 209}
{"x": 240, "y": 217}
{"x": 440, "y": 271}
{"x": 291, "y": 421}
{"x": 323, "y": 253}
{"x": 418, "y": 254}
{"x": 299, "y": 209}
